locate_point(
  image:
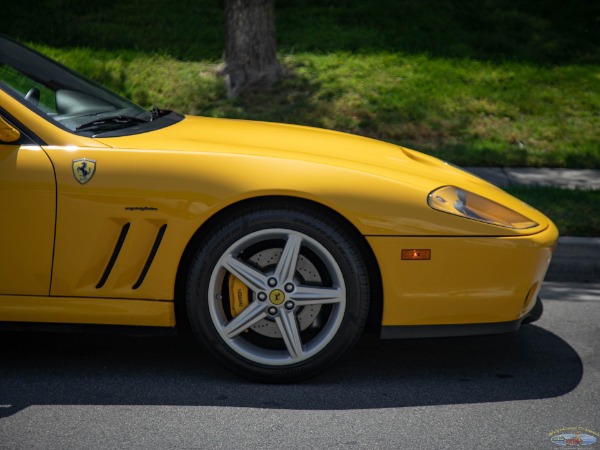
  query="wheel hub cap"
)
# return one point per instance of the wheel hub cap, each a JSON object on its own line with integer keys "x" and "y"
{"x": 277, "y": 297}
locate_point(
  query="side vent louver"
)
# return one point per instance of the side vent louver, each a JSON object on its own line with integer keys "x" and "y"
{"x": 114, "y": 256}
{"x": 159, "y": 236}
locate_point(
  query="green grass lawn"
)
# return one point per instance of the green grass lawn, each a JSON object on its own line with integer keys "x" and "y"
{"x": 575, "y": 212}
{"x": 498, "y": 83}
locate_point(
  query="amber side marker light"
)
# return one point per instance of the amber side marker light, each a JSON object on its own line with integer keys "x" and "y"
{"x": 412, "y": 254}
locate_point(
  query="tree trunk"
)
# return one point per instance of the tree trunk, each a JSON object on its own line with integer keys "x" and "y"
{"x": 250, "y": 46}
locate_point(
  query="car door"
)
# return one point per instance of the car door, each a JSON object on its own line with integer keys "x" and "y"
{"x": 27, "y": 213}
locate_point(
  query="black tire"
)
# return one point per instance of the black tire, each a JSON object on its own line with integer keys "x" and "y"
{"x": 307, "y": 298}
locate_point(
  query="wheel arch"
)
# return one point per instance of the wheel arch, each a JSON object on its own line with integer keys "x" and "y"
{"x": 376, "y": 299}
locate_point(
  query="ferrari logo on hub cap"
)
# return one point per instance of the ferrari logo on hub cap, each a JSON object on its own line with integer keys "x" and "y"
{"x": 84, "y": 169}
{"x": 277, "y": 297}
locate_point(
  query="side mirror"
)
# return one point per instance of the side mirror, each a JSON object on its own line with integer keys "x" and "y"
{"x": 8, "y": 133}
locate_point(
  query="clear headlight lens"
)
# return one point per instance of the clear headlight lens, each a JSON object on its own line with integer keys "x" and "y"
{"x": 453, "y": 200}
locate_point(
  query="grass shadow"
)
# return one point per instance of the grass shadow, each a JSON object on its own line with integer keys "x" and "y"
{"x": 537, "y": 31}
{"x": 293, "y": 99}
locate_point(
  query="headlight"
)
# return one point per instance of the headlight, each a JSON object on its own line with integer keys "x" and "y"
{"x": 453, "y": 200}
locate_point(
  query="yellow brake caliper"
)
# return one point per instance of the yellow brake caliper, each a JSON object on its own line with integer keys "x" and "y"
{"x": 238, "y": 296}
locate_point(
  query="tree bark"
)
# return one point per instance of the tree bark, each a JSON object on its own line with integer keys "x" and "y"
{"x": 250, "y": 46}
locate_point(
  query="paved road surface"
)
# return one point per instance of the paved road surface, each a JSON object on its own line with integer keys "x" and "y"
{"x": 496, "y": 392}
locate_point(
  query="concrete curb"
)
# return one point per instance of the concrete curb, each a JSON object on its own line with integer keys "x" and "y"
{"x": 576, "y": 259}
{"x": 525, "y": 176}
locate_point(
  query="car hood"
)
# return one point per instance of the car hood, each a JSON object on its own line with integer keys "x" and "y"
{"x": 204, "y": 134}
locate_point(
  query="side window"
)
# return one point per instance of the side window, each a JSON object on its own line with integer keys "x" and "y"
{"x": 28, "y": 89}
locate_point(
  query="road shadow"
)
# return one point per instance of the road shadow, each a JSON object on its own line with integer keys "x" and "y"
{"x": 74, "y": 369}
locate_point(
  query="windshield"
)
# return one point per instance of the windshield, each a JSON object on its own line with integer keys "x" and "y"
{"x": 54, "y": 91}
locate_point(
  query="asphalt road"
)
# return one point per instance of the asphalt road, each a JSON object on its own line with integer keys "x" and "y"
{"x": 71, "y": 391}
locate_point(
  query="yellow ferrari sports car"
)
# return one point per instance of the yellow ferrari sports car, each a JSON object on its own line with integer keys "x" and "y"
{"x": 275, "y": 244}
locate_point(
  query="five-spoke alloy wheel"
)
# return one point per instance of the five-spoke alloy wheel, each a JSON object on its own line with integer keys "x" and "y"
{"x": 278, "y": 293}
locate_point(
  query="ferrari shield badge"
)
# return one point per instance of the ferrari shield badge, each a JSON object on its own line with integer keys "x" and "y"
{"x": 84, "y": 169}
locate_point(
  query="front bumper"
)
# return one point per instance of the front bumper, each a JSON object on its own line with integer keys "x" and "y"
{"x": 467, "y": 281}
{"x": 469, "y": 329}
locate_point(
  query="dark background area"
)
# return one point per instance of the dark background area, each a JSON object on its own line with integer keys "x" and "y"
{"x": 535, "y": 31}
